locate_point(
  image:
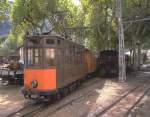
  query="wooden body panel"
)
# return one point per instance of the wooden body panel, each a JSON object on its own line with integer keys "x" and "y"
{"x": 90, "y": 61}
{"x": 72, "y": 74}
{"x": 70, "y": 63}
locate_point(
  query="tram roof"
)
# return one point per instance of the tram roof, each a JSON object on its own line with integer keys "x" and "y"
{"x": 52, "y": 35}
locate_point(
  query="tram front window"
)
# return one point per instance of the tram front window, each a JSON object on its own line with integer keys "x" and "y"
{"x": 50, "y": 57}
{"x": 40, "y": 53}
{"x": 34, "y": 57}
{"x": 30, "y": 57}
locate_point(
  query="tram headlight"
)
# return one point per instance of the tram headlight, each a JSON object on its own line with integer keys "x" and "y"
{"x": 34, "y": 83}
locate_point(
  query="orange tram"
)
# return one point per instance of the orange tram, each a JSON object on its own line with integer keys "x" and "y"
{"x": 55, "y": 66}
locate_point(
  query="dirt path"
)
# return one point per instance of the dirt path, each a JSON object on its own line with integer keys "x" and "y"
{"x": 92, "y": 97}
{"x": 102, "y": 94}
{"x": 10, "y": 99}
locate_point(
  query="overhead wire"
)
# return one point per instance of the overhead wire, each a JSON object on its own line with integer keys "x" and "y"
{"x": 137, "y": 20}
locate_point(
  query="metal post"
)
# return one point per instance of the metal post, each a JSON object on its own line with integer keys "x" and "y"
{"x": 122, "y": 66}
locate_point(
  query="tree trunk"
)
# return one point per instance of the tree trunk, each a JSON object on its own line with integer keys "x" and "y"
{"x": 139, "y": 56}
{"x": 131, "y": 51}
{"x": 134, "y": 54}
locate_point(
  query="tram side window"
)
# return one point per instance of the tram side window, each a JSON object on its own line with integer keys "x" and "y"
{"x": 81, "y": 56}
{"x": 58, "y": 41}
{"x": 67, "y": 56}
{"x": 50, "y": 57}
{"x": 59, "y": 57}
{"x": 73, "y": 54}
{"x": 70, "y": 55}
{"x": 77, "y": 55}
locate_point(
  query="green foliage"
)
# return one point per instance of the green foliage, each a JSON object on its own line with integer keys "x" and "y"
{"x": 137, "y": 9}
{"x": 27, "y": 15}
{"x": 8, "y": 45}
{"x": 31, "y": 14}
{"x": 2, "y": 39}
{"x": 73, "y": 13}
{"x": 4, "y": 9}
{"x": 18, "y": 39}
{"x": 100, "y": 15}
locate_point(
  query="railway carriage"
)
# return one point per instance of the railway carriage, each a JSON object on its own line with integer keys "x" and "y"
{"x": 108, "y": 63}
{"x": 53, "y": 66}
{"x": 90, "y": 60}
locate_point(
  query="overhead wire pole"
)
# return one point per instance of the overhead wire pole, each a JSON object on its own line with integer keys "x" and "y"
{"x": 122, "y": 66}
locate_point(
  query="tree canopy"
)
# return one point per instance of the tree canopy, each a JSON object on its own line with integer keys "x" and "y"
{"x": 4, "y": 10}
{"x": 95, "y": 18}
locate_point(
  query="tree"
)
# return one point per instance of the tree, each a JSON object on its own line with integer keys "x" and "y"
{"x": 33, "y": 15}
{"x": 137, "y": 34}
{"x": 98, "y": 15}
{"x": 28, "y": 15}
{"x": 4, "y": 9}
{"x": 101, "y": 18}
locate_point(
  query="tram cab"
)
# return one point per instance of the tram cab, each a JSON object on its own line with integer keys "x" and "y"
{"x": 51, "y": 63}
{"x": 40, "y": 65}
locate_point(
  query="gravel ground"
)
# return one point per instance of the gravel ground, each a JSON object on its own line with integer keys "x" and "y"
{"x": 10, "y": 99}
{"x": 142, "y": 109}
{"x": 87, "y": 101}
{"x": 102, "y": 94}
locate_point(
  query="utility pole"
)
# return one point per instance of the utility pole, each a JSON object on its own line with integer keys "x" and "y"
{"x": 122, "y": 66}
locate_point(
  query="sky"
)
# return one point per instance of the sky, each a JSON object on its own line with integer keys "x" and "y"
{"x": 11, "y": 0}
{"x": 76, "y": 2}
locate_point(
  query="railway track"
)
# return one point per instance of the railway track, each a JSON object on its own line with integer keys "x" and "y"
{"x": 36, "y": 107}
{"x": 57, "y": 108}
{"x": 123, "y": 106}
{"x": 20, "y": 112}
{"x": 136, "y": 103}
